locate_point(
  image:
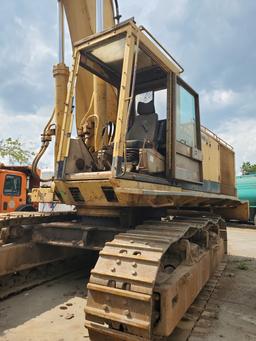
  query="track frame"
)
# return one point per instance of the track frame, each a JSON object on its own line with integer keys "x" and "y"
{"x": 140, "y": 289}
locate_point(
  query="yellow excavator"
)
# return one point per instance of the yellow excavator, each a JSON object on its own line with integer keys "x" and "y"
{"x": 150, "y": 185}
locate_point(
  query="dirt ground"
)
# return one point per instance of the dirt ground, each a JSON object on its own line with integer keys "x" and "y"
{"x": 54, "y": 311}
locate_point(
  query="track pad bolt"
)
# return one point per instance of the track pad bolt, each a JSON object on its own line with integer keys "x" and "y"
{"x": 134, "y": 264}
{"x": 134, "y": 273}
{"x": 105, "y": 307}
{"x": 113, "y": 269}
{"x": 118, "y": 262}
{"x": 156, "y": 316}
{"x": 156, "y": 297}
{"x": 127, "y": 313}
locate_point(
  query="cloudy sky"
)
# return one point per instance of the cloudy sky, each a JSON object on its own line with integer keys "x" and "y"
{"x": 215, "y": 41}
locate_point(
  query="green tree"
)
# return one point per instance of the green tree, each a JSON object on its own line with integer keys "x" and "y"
{"x": 248, "y": 168}
{"x": 13, "y": 150}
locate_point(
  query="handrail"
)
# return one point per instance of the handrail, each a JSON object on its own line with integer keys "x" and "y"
{"x": 216, "y": 137}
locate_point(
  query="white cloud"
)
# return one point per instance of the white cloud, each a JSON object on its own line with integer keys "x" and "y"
{"x": 217, "y": 99}
{"x": 241, "y": 134}
{"x": 33, "y": 59}
{"x": 27, "y": 128}
{"x": 178, "y": 11}
{"x": 24, "y": 123}
{"x": 34, "y": 51}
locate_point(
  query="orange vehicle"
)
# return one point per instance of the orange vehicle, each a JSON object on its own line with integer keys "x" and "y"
{"x": 16, "y": 182}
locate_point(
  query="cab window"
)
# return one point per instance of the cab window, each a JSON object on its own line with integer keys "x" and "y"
{"x": 12, "y": 185}
{"x": 186, "y": 117}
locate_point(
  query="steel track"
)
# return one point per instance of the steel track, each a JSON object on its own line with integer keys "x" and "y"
{"x": 132, "y": 282}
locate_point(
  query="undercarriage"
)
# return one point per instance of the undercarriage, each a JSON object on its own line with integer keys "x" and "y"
{"x": 146, "y": 277}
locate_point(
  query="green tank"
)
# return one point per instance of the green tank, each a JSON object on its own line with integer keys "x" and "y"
{"x": 246, "y": 190}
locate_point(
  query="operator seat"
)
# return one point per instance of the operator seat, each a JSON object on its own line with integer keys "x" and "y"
{"x": 144, "y": 129}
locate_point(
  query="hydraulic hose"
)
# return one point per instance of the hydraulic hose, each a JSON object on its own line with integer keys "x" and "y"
{"x": 46, "y": 139}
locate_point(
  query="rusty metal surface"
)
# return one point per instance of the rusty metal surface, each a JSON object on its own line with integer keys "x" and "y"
{"x": 28, "y": 240}
{"x": 17, "y": 227}
{"x": 12, "y": 224}
{"x": 17, "y": 250}
{"x": 74, "y": 234}
{"x": 13, "y": 218}
{"x": 17, "y": 257}
{"x": 146, "y": 279}
{"x": 198, "y": 312}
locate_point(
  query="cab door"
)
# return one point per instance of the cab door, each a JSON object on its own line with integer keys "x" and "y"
{"x": 188, "y": 134}
{"x": 14, "y": 191}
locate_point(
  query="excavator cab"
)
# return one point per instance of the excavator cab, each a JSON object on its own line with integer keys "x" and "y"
{"x": 142, "y": 120}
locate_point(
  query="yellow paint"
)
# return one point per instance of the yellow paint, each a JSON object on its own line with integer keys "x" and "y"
{"x": 81, "y": 17}
{"x": 61, "y": 74}
{"x": 97, "y": 105}
{"x": 211, "y": 158}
